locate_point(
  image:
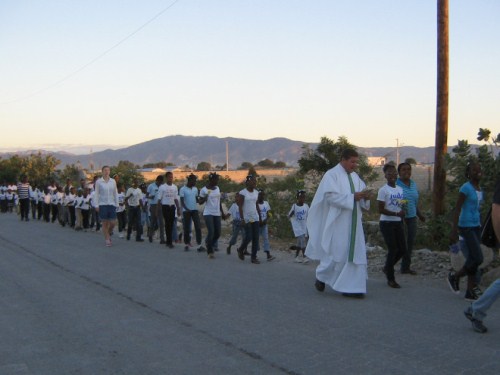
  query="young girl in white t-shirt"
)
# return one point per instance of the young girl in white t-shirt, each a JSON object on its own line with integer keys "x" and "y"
{"x": 250, "y": 218}
{"x": 298, "y": 218}
{"x": 390, "y": 206}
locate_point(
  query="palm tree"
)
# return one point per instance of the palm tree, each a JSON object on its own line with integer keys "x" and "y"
{"x": 441, "y": 142}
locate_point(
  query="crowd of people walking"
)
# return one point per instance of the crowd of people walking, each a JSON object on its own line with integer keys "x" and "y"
{"x": 329, "y": 231}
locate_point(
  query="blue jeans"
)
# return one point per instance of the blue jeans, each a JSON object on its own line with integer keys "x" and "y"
{"x": 213, "y": 224}
{"x": 237, "y": 230}
{"x": 411, "y": 231}
{"x": 394, "y": 236}
{"x": 251, "y": 234}
{"x": 188, "y": 217}
{"x": 264, "y": 233}
{"x": 472, "y": 239}
{"x": 490, "y": 295}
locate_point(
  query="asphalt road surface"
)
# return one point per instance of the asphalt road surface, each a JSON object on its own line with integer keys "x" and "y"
{"x": 70, "y": 305}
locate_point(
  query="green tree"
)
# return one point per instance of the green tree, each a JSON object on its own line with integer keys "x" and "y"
{"x": 204, "y": 166}
{"x": 128, "y": 172}
{"x": 245, "y": 165}
{"x": 70, "y": 171}
{"x": 266, "y": 163}
{"x": 327, "y": 155}
{"x": 411, "y": 161}
{"x": 280, "y": 164}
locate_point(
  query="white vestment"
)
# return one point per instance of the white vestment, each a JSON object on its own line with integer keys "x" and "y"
{"x": 329, "y": 225}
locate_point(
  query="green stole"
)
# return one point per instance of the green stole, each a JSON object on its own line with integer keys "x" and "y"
{"x": 354, "y": 222}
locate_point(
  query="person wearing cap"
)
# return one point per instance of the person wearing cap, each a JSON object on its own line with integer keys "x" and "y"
{"x": 335, "y": 229}
{"x": 189, "y": 197}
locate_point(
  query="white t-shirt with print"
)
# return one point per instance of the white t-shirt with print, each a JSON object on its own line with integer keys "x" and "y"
{"x": 299, "y": 219}
{"x": 264, "y": 208}
{"x": 393, "y": 201}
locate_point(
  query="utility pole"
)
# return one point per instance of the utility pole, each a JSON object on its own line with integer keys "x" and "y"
{"x": 227, "y": 156}
{"x": 441, "y": 143}
{"x": 397, "y": 151}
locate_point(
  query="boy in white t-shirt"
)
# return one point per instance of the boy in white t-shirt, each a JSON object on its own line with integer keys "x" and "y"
{"x": 265, "y": 214}
{"x": 238, "y": 229}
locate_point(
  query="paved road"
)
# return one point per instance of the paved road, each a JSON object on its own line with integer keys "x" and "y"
{"x": 69, "y": 305}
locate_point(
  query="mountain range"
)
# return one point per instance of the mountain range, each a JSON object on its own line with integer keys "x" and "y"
{"x": 183, "y": 150}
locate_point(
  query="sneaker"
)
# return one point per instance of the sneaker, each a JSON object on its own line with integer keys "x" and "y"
{"x": 121, "y": 235}
{"x": 453, "y": 283}
{"x": 305, "y": 260}
{"x": 298, "y": 259}
{"x": 470, "y": 295}
{"x": 211, "y": 256}
{"x": 478, "y": 326}
{"x": 128, "y": 237}
{"x": 228, "y": 250}
{"x": 477, "y": 291}
{"x": 255, "y": 261}
{"x": 270, "y": 257}
{"x": 108, "y": 243}
{"x": 201, "y": 249}
{"x": 139, "y": 240}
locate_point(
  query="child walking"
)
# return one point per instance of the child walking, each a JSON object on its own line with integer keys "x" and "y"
{"x": 238, "y": 229}
{"x": 298, "y": 217}
{"x": 265, "y": 213}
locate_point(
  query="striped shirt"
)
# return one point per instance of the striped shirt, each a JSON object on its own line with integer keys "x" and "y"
{"x": 24, "y": 190}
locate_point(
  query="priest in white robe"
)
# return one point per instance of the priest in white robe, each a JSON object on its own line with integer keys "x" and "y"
{"x": 336, "y": 235}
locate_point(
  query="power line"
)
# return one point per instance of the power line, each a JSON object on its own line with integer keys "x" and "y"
{"x": 74, "y": 73}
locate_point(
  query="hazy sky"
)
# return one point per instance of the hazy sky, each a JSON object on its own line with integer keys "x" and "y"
{"x": 253, "y": 69}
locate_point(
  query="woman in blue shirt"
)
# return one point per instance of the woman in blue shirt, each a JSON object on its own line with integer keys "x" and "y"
{"x": 467, "y": 223}
{"x": 410, "y": 195}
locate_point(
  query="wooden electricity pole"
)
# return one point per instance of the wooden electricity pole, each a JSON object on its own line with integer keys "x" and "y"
{"x": 441, "y": 148}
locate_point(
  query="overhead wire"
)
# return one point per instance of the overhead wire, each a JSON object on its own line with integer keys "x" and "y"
{"x": 75, "y": 72}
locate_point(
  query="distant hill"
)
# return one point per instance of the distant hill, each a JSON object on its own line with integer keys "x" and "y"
{"x": 188, "y": 150}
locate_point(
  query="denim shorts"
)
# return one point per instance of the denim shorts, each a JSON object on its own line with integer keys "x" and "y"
{"x": 107, "y": 212}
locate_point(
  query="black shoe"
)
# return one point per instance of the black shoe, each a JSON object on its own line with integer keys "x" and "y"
{"x": 139, "y": 240}
{"x": 255, "y": 261}
{"x": 320, "y": 285}
{"x": 228, "y": 250}
{"x": 245, "y": 252}
{"x": 270, "y": 257}
{"x": 409, "y": 272}
{"x": 201, "y": 249}
{"x": 186, "y": 248}
{"x": 470, "y": 295}
{"x": 241, "y": 254}
{"x": 150, "y": 238}
{"x": 393, "y": 284}
{"x": 128, "y": 237}
{"x": 162, "y": 242}
{"x": 453, "y": 283}
{"x": 354, "y": 295}
{"x": 170, "y": 246}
